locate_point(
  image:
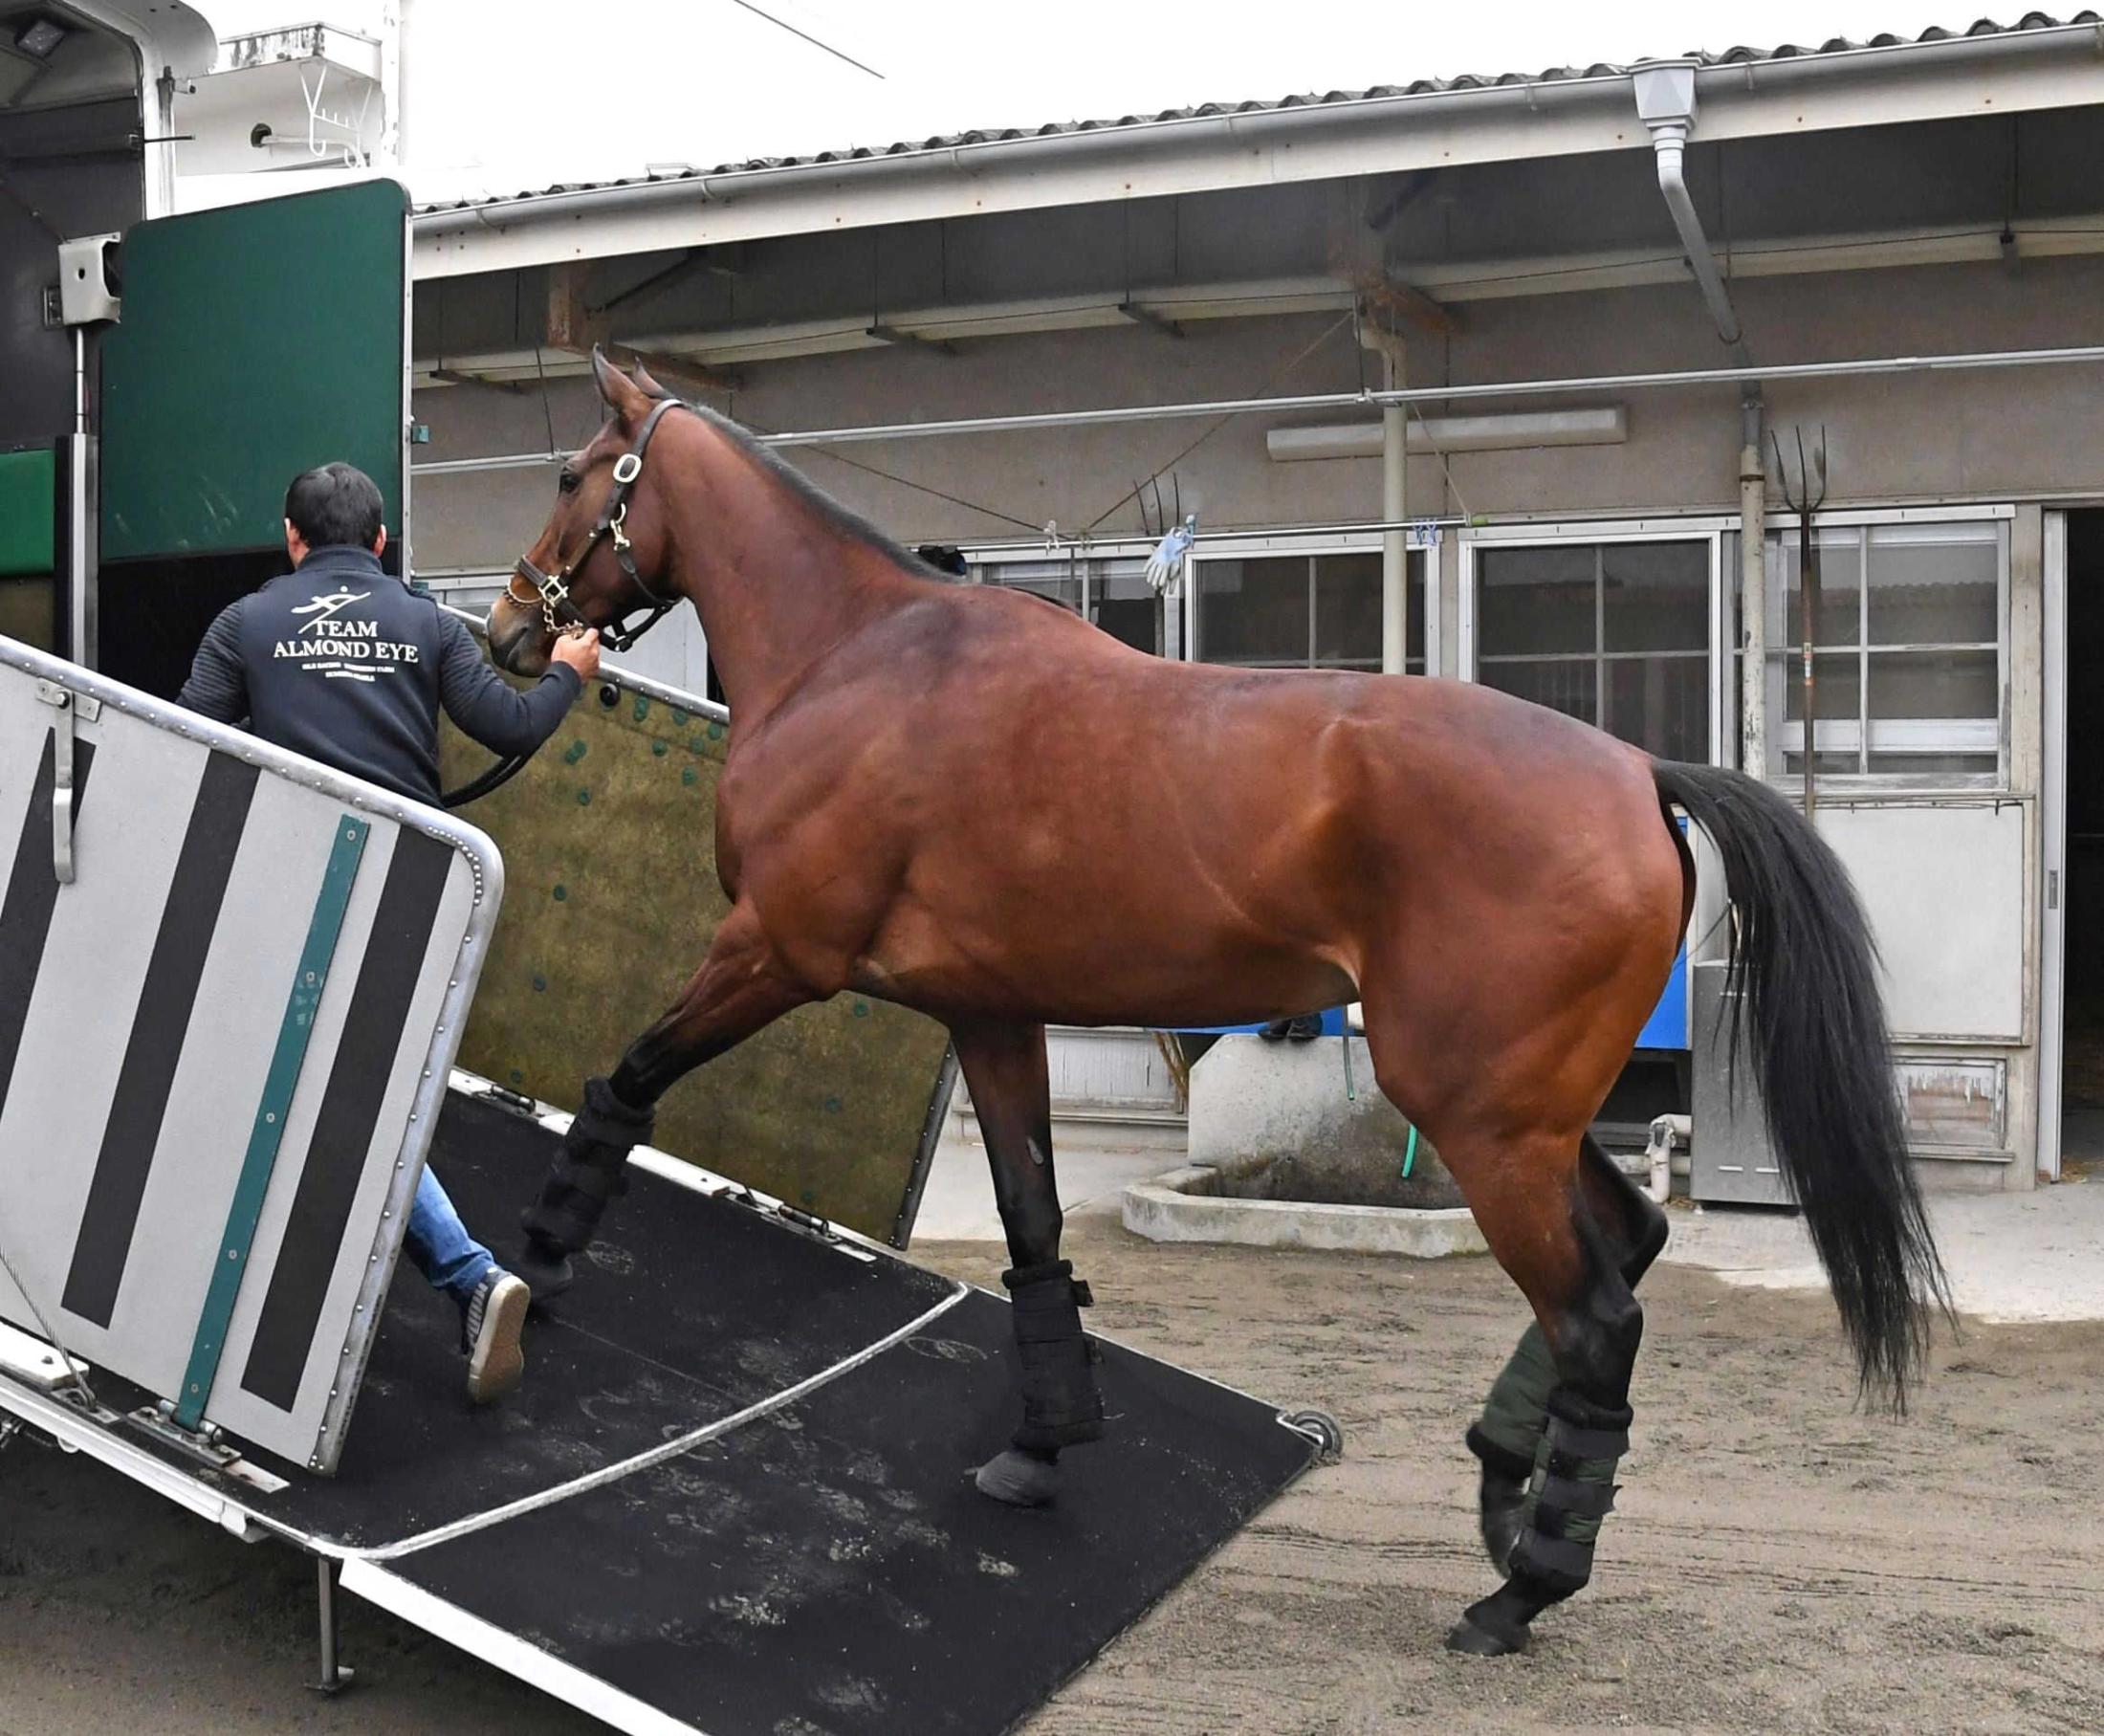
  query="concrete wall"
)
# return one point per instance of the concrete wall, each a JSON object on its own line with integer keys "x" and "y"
{"x": 1976, "y": 436}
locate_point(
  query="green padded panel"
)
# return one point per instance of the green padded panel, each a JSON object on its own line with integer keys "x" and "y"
{"x": 610, "y": 900}
{"x": 257, "y": 342}
{"x": 28, "y": 513}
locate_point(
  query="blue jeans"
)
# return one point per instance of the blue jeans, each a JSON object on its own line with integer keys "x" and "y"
{"x": 439, "y": 1244}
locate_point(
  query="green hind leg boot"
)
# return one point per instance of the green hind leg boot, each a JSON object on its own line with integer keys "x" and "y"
{"x": 1506, "y": 1440}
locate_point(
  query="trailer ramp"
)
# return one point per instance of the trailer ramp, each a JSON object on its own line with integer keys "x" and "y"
{"x": 793, "y": 1543}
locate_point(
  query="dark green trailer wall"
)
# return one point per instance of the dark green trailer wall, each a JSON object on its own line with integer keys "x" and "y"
{"x": 29, "y": 545}
{"x": 257, "y": 340}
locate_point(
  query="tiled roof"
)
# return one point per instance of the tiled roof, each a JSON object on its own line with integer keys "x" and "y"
{"x": 1466, "y": 81}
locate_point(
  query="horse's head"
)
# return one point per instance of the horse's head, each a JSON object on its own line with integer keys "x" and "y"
{"x": 601, "y": 555}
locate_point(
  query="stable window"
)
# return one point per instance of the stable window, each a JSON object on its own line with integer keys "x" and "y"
{"x": 1112, "y": 591}
{"x": 1614, "y": 632}
{"x": 1910, "y": 657}
{"x": 1318, "y": 610}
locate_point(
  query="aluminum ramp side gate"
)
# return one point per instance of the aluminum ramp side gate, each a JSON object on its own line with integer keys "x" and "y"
{"x": 230, "y": 985}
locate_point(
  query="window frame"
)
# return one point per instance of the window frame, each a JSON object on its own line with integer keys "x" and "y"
{"x": 1786, "y": 738}
{"x": 1421, "y": 554}
{"x": 1584, "y": 533}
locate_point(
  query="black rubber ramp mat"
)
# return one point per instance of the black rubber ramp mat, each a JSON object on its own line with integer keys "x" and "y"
{"x": 827, "y": 1568}
{"x": 689, "y": 1309}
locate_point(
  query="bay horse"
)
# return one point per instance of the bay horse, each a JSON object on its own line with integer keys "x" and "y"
{"x": 919, "y": 805}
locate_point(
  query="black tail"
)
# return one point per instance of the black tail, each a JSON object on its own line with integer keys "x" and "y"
{"x": 1802, "y": 956}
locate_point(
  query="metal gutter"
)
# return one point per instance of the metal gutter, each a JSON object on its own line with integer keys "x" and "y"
{"x": 1743, "y": 377}
{"x": 963, "y": 156}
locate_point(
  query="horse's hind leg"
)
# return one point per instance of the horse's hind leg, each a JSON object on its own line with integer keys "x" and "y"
{"x": 739, "y": 989}
{"x": 1507, "y": 1438}
{"x": 1522, "y": 1176}
{"x": 1004, "y": 1068}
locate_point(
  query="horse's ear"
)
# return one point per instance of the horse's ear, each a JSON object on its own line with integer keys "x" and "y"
{"x": 650, "y": 388}
{"x": 621, "y": 394}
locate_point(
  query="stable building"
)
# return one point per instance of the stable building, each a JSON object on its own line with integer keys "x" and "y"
{"x": 1517, "y": 378}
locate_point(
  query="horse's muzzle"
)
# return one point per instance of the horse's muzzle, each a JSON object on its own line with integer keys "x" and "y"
{"x": 518, "y": 640}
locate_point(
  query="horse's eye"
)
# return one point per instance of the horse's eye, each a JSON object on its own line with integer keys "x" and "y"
{"x": 567, "y": 482}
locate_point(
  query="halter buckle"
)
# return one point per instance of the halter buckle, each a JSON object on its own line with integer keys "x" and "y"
{"x": 627, "y": 468}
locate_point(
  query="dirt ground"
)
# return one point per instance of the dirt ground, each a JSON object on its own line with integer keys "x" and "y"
{"x": 1781, "y": 1563}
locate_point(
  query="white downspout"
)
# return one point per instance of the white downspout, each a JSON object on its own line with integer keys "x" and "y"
{"x": 1665, "y": 103}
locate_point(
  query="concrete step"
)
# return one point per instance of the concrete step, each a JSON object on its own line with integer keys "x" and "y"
{"x": 1096, "y": 1129}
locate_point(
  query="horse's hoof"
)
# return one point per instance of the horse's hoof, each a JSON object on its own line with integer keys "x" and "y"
{"x": 1018, "y": 1479}
{"x": 547, "y": 1271}
{"x": 1481, "y": 1642}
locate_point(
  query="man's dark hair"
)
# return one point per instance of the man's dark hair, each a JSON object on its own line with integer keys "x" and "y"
{"x": 334, "y": 505}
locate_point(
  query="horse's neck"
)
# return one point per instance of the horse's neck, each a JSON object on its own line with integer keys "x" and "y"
{"x": 774, "y": 581}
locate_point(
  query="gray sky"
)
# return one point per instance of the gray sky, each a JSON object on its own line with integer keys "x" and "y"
{"x": 553, "y": 96}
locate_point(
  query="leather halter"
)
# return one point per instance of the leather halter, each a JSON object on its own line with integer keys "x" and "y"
{"x": 552, "y": 590}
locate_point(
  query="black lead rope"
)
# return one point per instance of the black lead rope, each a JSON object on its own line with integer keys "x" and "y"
{"x": 502, "y": 771}
{"x": 499, "y": 774}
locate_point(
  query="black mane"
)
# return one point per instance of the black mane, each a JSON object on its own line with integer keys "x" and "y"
{"x": 848, "y": 522}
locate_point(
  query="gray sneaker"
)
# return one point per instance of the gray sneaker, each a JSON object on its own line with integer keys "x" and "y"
{"x": 490, "y": 1331}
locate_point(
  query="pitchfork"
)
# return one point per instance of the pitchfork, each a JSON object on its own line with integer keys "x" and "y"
{"x": 1805, "y": 499}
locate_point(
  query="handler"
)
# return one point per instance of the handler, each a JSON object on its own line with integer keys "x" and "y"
{"x": 341, "y": 662}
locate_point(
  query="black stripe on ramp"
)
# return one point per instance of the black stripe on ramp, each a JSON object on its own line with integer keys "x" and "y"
{"x": 163, "y": 1020}
{"x": 33, "y": 894}
{"x": 350, "y": 1113}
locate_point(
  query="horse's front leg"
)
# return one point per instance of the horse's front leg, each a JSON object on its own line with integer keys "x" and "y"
{"x": 1004, "y": 1068}
{"x": 741, "y": 988}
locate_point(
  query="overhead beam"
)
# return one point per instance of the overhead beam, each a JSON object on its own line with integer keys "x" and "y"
{"x": 454, "y": 376}
{"x": 572, "y": 322}
{"x": 685, "y": 370}
{"x": 695, "y": 262}
{"x": 1405, "y": 304}
{"x": 892, "y": 334}
{"x": 574, "y": 326}
{"x": 1141, "y": 315}
{"x": 1448, "y": 283}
